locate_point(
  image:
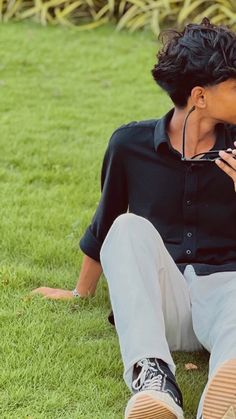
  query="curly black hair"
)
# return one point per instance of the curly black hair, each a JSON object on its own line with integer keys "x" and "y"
{"x": 201, "y": 55}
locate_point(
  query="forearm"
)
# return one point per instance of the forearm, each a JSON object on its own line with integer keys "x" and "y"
{"x": 90, "y": 273}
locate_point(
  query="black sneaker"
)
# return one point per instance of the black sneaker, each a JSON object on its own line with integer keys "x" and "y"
{"x": 157, "y": 395}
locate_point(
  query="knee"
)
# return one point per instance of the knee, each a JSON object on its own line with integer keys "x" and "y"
{"x": 130, "y": 222}
{"x": 122, "y": 224}
{"x": 126, "y": 219}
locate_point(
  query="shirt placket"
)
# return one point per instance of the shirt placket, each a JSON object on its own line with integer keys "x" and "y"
{"x": 190, "y": 213}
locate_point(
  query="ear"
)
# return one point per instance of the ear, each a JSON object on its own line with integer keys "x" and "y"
{"x": 198, "y": 96}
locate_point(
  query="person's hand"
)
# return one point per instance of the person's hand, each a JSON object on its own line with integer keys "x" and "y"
{"x": 54, "y": 293}
{"x": 228, "y": 165}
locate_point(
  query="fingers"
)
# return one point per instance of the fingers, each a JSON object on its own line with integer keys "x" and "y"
{"x": 40, "y": 290}
{"x": 228, "y": 164}
{"x": 46, "y": 292}
{"x": 53, "y": 293}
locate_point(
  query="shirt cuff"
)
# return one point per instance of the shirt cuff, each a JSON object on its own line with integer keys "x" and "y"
{"x": 90, "y": 245}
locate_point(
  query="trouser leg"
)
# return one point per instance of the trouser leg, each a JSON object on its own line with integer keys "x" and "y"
{"x": 149, "y": 296}
{"x": 214, "y": 319}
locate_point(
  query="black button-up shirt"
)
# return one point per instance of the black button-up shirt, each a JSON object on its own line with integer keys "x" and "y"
{"x": 192, "y": 206}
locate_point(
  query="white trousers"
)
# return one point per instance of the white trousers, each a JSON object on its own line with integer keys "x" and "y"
{"x": 157, "y": 309}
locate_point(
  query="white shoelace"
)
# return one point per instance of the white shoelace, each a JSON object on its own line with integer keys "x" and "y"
{"x": 153, "y": 383}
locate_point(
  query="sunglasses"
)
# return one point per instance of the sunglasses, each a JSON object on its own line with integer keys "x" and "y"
{"x": 208, "y": 156}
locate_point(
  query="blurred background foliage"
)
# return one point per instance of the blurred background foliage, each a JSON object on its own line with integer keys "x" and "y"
{"x": 129, "y": 14}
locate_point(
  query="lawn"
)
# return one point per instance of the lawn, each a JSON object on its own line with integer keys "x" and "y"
{"x": 62, "y": 93}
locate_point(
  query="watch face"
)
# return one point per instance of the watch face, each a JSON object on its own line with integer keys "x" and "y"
{"x": 75, "y": 293}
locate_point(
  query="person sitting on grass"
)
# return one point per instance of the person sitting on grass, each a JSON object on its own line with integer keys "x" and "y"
{"x": 164, "y": 232}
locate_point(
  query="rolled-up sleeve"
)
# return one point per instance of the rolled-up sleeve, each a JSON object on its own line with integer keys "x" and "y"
{"x": 113, "y": 200}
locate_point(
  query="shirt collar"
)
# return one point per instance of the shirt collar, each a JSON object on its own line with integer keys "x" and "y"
{"x": 161, "y": 135}
{"x": 160, "y": 132}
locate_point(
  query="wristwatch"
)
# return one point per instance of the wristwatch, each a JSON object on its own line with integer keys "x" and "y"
{"x": 75, "y": 293}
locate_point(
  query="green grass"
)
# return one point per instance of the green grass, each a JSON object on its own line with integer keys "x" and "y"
{"x": 62, "y": 93}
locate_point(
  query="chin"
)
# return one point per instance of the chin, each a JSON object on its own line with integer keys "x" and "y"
{"x": 228, "y": 120}
{"x": 232, "y": 121}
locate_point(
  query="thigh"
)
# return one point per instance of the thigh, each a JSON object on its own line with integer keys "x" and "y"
{"x": 213, "y": 306}
{"x": 177, "y": 307}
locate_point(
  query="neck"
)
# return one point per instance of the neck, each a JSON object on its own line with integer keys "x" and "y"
{"x": 200, "y": 131}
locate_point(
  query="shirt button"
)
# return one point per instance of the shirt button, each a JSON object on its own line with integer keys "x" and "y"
{"x": 189, "y": 234}
{"x": 188, "y": 252}
{"x": 189, "y": 202}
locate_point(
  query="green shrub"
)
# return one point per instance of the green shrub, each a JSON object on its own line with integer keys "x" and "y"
{"x": 129, "y": 14}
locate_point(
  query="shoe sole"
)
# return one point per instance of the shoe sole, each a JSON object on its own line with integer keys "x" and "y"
{"x": 144, "y": 406}
{"x": 220, "y": 399}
